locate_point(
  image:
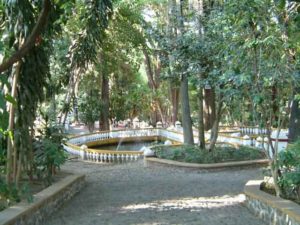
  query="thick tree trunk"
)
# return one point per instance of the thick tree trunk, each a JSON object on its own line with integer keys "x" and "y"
{"x": 184, "y": 87}
{"x": 209, "y": 109}
{"x": 294, "y": 126}
{"x": 104, "y": 117}
{"x": 201, "y": 133}
{"x": 186, "y": 113}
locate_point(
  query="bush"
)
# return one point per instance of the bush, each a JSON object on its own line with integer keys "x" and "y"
{"x": 49, "y": 153}
{"x": 49, "y": 156}
{"x": 8, "y": 194}
{"x": 289, "y": 166}
{"x": 193, "y": 154}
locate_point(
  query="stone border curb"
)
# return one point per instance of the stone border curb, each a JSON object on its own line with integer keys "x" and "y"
{"x": 44, "y": 203}
{"x": 150, "y": 160}
{"x": 275, "y": 211}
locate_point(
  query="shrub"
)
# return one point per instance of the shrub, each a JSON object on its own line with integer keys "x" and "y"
{"x": 8, "y": 194}
{"x": 49, "y": 153}
{"x": 193, "y": 154}
{"x": 289, "y": 166}
{"x": 49, "y": 156}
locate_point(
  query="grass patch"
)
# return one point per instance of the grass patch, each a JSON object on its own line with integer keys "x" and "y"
{"x": 192, "y": 154}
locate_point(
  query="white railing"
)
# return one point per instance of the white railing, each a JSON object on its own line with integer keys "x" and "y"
{"x": 77, "y": 145}
{"x": 83, "y": 139}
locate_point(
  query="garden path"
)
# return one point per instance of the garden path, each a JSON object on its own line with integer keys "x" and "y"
{"x": 133, "y": 194}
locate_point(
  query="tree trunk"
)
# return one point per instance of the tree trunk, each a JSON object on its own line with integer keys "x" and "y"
{"x": 273, "y": 159}
{"x": 201, "y": 133}
{"x": 185, "y": 111}
{"x": 209, "y": 109}
{"x": 184, "y": 87}
{"x": 104, "y": 117}
{"x": 10, "y": 141}
{"x": 19, "y": 168}
{"x": 215, "y": 127}
{"x": 175, "y": 102}
{"x": 74, "y": 79}
{"x": 294, "y": 126}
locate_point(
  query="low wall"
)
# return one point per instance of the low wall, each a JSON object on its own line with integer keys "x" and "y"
{"x": 44, "y": 203}
{"x": 273, "y": 210}
{"x": 154, "y": 161}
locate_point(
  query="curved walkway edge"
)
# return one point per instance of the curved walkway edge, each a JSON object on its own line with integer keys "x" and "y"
{"x": 259, "y": 162}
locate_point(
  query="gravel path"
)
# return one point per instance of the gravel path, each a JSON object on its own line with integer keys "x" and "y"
{"x": 137, "y": 195}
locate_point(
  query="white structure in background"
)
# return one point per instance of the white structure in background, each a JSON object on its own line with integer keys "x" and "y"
{"x": 172, "y": 127}
{"x": 147, "y": 152}
{"x": 246, "y": 140}
{"x": 282, "y": 139}
{"x": 259, "y": 142}
{"x": 178, "y": 126}
{"x": 168, "y": 142}
{"x": 136, "y": 123}
{"x": 67, "y": 124}
{"x": 235, "y": 135}
{"x": 144, "y": 124}
{"x": 159, "y": 124}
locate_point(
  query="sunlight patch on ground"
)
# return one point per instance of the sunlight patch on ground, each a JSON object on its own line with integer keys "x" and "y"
{"x": 191, "y": 204}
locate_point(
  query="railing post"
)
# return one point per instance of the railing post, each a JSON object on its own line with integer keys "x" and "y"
{"x": 82, "y": 152}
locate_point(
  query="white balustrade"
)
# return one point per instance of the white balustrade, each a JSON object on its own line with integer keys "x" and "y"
{"x": 168, "y": 134}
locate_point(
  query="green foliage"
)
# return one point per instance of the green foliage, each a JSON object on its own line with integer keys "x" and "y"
{"x": 192, "y": 154}
{"x": 92, "y": 20}
{"x": 289, "y": 165}
{"x": 9, "y": 194}
{"x": 49, "y": 153}
{"x": 89, "y": 107}
{"x": 48, "y": 156}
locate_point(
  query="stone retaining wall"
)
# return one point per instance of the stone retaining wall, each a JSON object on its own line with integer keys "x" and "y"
{"x": 275, "y": 211}
{"x": 44, "y": 203}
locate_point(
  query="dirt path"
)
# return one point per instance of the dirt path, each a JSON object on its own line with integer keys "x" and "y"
{"x": 136, "y": 195}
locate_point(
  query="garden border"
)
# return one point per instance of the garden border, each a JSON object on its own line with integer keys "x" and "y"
{"x": 44, "y": 203}
{"x": 273, "y": 210}
{"x": 166, "y": 162}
